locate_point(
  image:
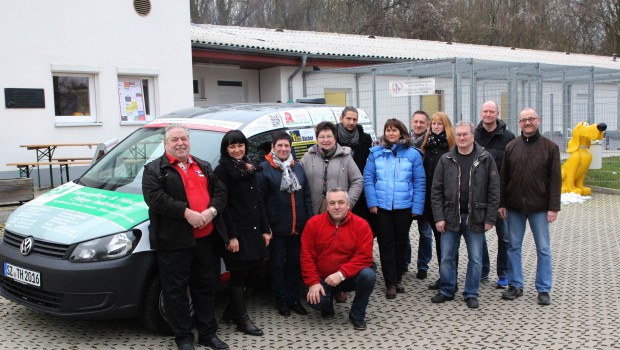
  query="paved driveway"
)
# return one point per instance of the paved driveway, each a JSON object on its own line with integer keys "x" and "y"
{"x": 585, "y": 313}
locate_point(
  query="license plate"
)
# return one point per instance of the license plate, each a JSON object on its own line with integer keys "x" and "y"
{"x": 22, "y": 275}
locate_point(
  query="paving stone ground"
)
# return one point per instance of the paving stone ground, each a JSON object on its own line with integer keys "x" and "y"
{"x": 584, "y": 314}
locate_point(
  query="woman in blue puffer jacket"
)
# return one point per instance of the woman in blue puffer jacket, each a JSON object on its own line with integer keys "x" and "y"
{"x": 394, "y": 185}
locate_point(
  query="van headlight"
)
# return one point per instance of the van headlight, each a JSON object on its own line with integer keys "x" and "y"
{"x": 105, "y": 248}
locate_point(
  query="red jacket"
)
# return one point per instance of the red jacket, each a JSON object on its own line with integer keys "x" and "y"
{"x": 326, "y": 248}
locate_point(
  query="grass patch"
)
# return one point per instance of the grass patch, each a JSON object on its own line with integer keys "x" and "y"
{"x": 608, "y": 176}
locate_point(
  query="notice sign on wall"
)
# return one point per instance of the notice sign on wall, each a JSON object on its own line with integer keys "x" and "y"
{"x": 411, "y": 87}
{"x": 131, "y": 98}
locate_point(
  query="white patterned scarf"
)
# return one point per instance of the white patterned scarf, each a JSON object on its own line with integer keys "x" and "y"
{"x": 290, "y": 182}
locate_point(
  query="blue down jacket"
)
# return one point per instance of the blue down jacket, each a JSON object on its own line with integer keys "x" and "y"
{"x": 394, "y": 178}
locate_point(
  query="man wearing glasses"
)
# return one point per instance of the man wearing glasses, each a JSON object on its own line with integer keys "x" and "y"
{"x": 530, "y": 190}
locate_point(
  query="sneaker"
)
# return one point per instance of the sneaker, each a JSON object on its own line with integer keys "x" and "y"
{"x": 512, "y": 293}
{"x": 358, "y": 325}
{"x": 400, "y": 288}
{"x": 440, "y": 298}
{"x": 472, "y": 303}
{"x": 484, "y": 278}
{"x": 544, "y": 298}
{"x": 390, "y": 293}
{"x": 502, "y": 283}
{"x": 434, "y": 285}
{"x": 421, "y": 274}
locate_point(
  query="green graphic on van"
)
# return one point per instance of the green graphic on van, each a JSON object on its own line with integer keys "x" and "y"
{"x": 124, "y": 209}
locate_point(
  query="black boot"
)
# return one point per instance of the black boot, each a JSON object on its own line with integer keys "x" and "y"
{"x": 244, "y": 324}
{"x": 229, "y": 313}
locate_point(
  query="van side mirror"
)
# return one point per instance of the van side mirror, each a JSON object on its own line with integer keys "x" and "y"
{"x": 104, "y": 148}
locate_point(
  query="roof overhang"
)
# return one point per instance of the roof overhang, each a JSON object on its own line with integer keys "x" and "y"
{"x": 261, "y": 59}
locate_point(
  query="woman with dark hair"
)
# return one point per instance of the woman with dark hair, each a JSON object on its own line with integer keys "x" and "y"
{"x": 438, "y": 140}
{"x": 394, "y": 184}
{"x": 247, "y": 225}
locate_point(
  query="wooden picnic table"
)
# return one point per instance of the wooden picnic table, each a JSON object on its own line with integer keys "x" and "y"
{"x": 45, "y": 152}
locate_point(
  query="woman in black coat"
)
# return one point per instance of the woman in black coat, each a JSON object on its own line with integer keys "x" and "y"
{"x": 438, "y": 140}
{"x": 247, "y": 225}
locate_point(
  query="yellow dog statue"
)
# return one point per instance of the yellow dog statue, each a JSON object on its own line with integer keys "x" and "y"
{"x": 576, "y": 166}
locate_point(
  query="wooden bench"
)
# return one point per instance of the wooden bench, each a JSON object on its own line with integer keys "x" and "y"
{"x": 71, "y": 159}
{"x": 25, "y": 168}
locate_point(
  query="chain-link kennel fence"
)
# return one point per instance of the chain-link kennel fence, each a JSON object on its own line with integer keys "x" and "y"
{"x": 562, "y": 95}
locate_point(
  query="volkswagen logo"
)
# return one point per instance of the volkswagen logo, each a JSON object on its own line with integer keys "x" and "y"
{"x": 26, "y": 247}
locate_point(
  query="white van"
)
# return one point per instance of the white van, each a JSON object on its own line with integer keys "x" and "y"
{"x": 82, "y": 249}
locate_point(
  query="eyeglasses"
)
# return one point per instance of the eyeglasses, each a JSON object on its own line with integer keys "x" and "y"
{"x": 527, "y": 120}
{"x": 325, "y": 137}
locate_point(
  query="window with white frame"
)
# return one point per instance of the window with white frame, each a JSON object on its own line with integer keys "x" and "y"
{"x": 136, "y": 99}
{"x": 74, "y": 97}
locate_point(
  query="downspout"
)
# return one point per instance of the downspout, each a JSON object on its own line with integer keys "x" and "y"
{"x": 290, "y": 79}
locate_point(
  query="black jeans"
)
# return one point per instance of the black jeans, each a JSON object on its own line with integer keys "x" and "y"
{"x": 392, "y": 231}
{"x": 194, "y": 268}
{"x": 284, "y": 252}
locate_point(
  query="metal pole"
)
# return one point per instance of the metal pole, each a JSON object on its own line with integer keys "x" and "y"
{"x": 374, "y": 99}
{"x": 551, "y": 115}
{"x": 455, "y": 86}
{"x": 513, "y": 93}
{"x": 591, "y": 97}
{"x": 473, "y": 93}
{"x": 539, "y": 91}
{"x": 357, "y": 89}
{"x": 409, "y": 110}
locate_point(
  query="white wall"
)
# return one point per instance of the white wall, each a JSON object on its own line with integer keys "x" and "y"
{"x": 208, "y": 75}
{"x": 105, "y": 35}
{"x": 272, "y": 86}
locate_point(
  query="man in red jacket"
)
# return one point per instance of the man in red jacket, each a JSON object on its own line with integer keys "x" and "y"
{"x": 336, "y": 252}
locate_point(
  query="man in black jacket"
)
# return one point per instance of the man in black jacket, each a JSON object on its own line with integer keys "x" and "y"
{"x": 184, "y": 198}
{"x": 492, "y": 134}
{"x": 465, "y": 201}
{"x": 420, "y": 123}
{"x": 352, "y": 135}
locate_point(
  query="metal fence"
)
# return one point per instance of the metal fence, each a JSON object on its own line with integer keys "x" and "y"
{"x": 562, "y": 95}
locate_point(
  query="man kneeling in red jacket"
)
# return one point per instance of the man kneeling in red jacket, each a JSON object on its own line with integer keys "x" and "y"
{"x": 336, "y": 253}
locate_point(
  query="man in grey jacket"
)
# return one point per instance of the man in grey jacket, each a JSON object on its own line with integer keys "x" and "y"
{"x": 465, "y": 200}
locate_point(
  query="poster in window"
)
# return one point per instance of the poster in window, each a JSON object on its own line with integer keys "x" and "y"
{"x": 131, "y": 99}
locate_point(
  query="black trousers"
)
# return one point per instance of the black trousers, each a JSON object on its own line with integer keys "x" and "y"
{"x": 194, "y": 268}
{"x": 392, "y": 228}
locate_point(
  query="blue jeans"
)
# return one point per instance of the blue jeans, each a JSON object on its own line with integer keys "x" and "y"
{"x": 450, "y": 242}
{"x": 502, "y": 250}
{"x": 363, "y": 284}
{"x": 284, "y": 253}
{"x": 425, "y": 246}
{"x": 540, "y": 228}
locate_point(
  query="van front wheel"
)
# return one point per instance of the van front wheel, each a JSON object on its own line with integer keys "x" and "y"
{"x": 154, "y": 314}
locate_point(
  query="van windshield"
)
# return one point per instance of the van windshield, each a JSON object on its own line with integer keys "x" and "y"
{"x": 121, "y": 169}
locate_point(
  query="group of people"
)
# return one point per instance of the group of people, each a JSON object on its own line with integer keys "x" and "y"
{"x": 317, "y": 217}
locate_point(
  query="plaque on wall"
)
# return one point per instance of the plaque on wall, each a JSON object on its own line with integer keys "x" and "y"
{"x": 24, "y": 98}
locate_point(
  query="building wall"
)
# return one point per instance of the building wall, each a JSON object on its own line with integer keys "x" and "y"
{"x": 209, "y": 75}
{"x": 105, "y": 37}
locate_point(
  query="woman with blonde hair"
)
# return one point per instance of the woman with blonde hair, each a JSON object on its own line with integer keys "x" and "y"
{"x": 438, "y": 140}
